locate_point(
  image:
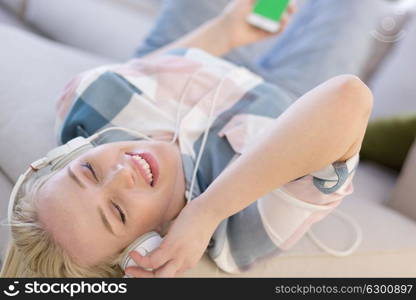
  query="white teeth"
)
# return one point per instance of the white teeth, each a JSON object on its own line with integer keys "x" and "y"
{"x": 145, "y": 166}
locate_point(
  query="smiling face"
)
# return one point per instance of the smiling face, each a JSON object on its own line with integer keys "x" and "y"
{"x": 101, "y": 201}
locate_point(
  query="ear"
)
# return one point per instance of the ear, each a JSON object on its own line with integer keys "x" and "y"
{"x": 162, "y": 229}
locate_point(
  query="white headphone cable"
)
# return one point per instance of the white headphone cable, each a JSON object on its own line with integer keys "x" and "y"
{"x": 335, "y": 252}
{"x": 205, "y": 135}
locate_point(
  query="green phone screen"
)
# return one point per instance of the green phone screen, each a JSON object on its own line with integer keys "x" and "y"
{"x": 271, "y": 9}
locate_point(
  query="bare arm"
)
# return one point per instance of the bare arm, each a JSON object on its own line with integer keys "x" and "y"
{"x": 226, "y": 31}
{"x": 325, "y": 125}
{"x": 207, "y": 37}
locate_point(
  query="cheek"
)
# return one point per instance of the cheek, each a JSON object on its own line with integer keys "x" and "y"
{"x": 149, "y": 212}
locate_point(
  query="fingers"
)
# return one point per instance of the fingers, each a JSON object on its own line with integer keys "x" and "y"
{"x": 261, "y": 33}
{"x": 156, "y": 260}
{"x": 284, "y": 20}
{"x": 169, "y": 270}
{"x": 153, "y": 260}
{"x": 287, "y": 16}
{"x": 283, "y": 23}
{"x": 292, "y": 8}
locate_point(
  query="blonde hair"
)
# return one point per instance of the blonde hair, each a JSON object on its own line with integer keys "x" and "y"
{"x": 32, "y": 251}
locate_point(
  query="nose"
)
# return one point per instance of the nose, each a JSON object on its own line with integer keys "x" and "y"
{"x": 121, "y": 177}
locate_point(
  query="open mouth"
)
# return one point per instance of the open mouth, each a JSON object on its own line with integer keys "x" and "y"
{"x": 146, "y": 165}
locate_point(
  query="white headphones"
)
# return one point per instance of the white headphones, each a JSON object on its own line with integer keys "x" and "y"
{"x": 58, "y": 157}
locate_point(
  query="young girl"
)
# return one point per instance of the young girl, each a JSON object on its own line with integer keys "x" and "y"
{"x": 284, "y": 129}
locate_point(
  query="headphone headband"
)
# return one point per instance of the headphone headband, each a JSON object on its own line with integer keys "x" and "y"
{"x": 56, "y": 157}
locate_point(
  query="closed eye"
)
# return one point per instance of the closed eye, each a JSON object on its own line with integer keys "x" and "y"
{"x": 120, "y": 211}
{"x": 122, "y": 215}
{"x": 89, "y": 166}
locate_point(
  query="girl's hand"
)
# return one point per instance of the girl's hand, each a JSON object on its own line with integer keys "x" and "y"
{"x": 239, "y": 31}
{"x": 181, "y": 248}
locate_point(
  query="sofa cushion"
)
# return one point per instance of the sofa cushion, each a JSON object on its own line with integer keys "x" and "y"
{"x": 35, "y": 70}
{"x": 16, "y": 6}
{"x": 403, "y": 197}
{"x": 393, "y": 85}
{"x": 113, "y": 29}
{"x": 8, "y": 17}
{"x": 389, "y": 32}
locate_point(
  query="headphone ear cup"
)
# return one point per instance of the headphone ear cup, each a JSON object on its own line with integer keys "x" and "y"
{"x": 65, "y": 159}
{"x": 62, "y": 155}
{"x": 144, "y": 244}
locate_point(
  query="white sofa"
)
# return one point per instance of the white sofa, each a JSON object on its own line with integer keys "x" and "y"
{"x": 46, "y": 42}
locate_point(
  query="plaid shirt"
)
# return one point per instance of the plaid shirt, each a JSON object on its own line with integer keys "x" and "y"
{"x": 144, "y": 94}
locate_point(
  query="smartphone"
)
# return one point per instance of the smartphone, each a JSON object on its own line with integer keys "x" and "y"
{"x": 266, "y": 14}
